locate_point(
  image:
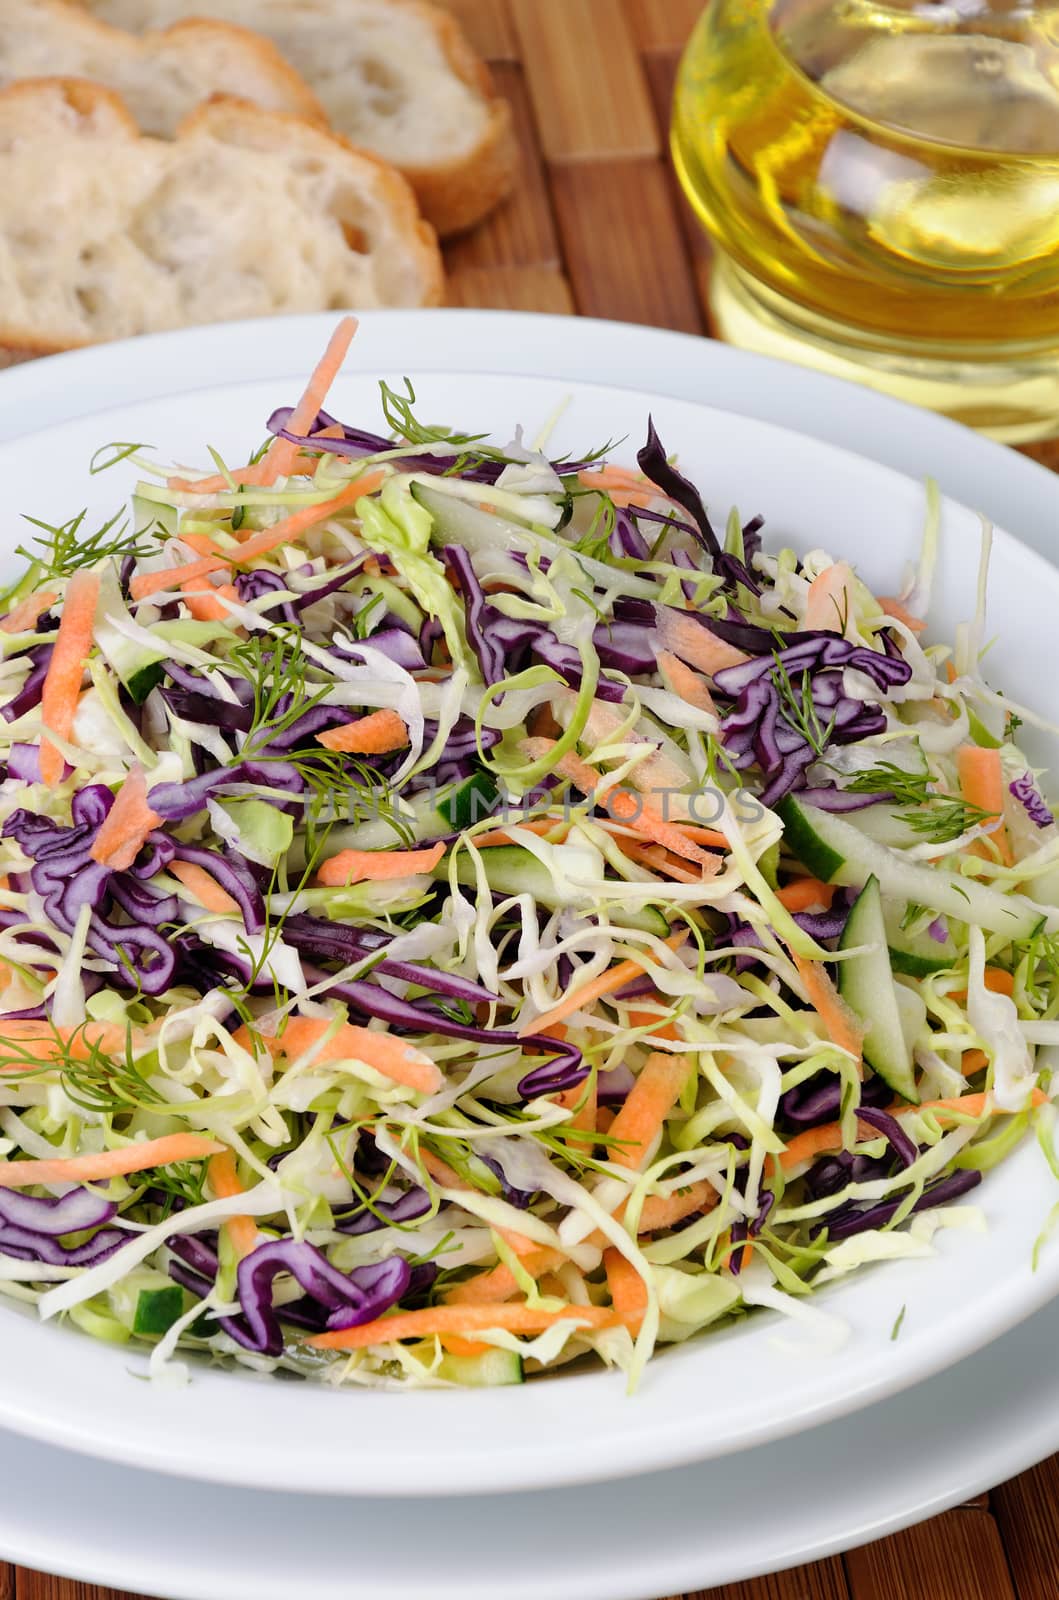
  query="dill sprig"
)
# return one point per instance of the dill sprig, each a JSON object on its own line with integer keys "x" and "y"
{"x": 402, "y": 420}
{"x": 92, "y": 1078}
{"x": 279, "y": 673}
{"x": 798, "y": 708}
{"x": 939, "y": 817}
{"x": 182, "y": 1180}
{"x": 65, "y": 548}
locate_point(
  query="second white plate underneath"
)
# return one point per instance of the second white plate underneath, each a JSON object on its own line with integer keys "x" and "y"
{"x": 781, "y": 1504}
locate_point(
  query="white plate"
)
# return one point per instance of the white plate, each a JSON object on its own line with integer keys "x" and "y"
{"x": 837, "y": 1486}
{"x": 733, "y": 1389}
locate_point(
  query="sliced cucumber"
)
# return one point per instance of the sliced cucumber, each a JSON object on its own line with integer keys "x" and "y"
{"x": 866, "y": 984}
{"x": 140, "y": 683}
{"x": 472, "y": 801}
{"x": 157, "y": 1310}
{"x": 513, "y": 870}
{"x": 837, "y": 851}
{"x": 886, "y": 825}
{"x": 489, "y": 1371}
{"x": 915, "y": 954}
{"x": 806, "y": 842}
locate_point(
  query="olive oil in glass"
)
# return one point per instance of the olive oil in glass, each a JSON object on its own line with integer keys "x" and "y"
{"x": 882, "y": 186}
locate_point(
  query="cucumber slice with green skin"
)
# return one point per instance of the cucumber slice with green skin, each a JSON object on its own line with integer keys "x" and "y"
{"x": 475, "y": 799}
{"x": 806, "y": 843}
{"x": 837, "y": 851}
{"x": 916, "y": 955}
{"x": 513, "y": 870}
{"x": 866, "y": 984}
{"x": 887, "y": 825}
{"x": 490, "y": 1371}
{"x": 141, "y": 683}
{"x": 157, "y": 1310}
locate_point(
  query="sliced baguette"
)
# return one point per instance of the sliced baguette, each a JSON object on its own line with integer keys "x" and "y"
{"x": 161, "y": 77}
{"x": 395, "y": 76}
{"x": 105, "y": 232}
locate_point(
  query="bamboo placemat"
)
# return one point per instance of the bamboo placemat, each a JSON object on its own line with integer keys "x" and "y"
{"x": 598, "y": 228}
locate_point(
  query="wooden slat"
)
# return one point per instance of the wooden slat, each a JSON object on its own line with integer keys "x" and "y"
{"x": 1027, "y": 1514}
{"x": 586, "y": 79}
{"x": 957, "y": 1556}
{"x": 823, "y": 1580}
{"x": 661, "y": 78}
{"x": 487, "y": 24}
{"x": 521, "y": 232}
{"x": 510, "y": 289}
{"x": 7, "y": 1582}
{"x": 663, "y": 24}
{"x": 622, "y": 244}
{"x": 42, "y": 1586}
{"x": 1045, "y": 452}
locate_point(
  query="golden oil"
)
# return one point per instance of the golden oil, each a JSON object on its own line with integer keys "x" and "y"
{"x": 882, "y": 184}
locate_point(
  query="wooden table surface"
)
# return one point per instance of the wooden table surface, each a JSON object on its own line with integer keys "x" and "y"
{"x": 597, "y": 228}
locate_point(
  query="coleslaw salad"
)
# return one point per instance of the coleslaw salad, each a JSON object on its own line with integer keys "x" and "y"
{"x": 461, "y": 914}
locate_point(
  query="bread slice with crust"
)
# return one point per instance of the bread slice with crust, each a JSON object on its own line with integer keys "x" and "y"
{"x": 396, "y": 76}
{"x": 106, "y": 232}
{"x": 161, "y": 76}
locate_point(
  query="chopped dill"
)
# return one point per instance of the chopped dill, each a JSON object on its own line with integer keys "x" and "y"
{"x": 93, "y": 1079}
{"x": 65, "y": 548}
{"x": 939, "y": 817}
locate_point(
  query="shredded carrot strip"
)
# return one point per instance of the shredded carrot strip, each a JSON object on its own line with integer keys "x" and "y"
{"x": 124, "y": 830}
{"x": 207, "y": 605}
{"x": 224, "y": 1181}
{"x": 830, "y": 597}
{"x": 376, "y": 734}
{"x": 499, "y": 1283}
{"x": 647, "y": 1105}
{"x": 803, "y": 893}
{"x": 625, "y": 488}
{"x": 145, "y": 584}
{"x": 25, "y": 614}
{"x": 624, "y": 807}
{"x": 843, "y": 1026}
{"x": 459, "y": 1319}
{"x": 395, "y": 1058}
{"x": 689, "y": 685}
{"x": 282, "y": 456}
{"x": 996, "y": 980}
{"x": 62, "y": 686}
{"x": 587, "y": 994}
{"x": 282, "y": 453}
{"x": 628, "y": 1292}
{"x": 585, "y": 1119}
{"x": 982, "y": 785}
{"x": 648, "y": 1019}
{"x": 375, "y": 866}
{"x": 894, "y": 608}
{"x": 664, "y": 1211}
{"x": 680, "y": 634}
{"x": 262, "y": 544}
{"x": 51, "y": 1042}
{"x": 206, "y": 889}
{"x": 109, "y": 1163}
